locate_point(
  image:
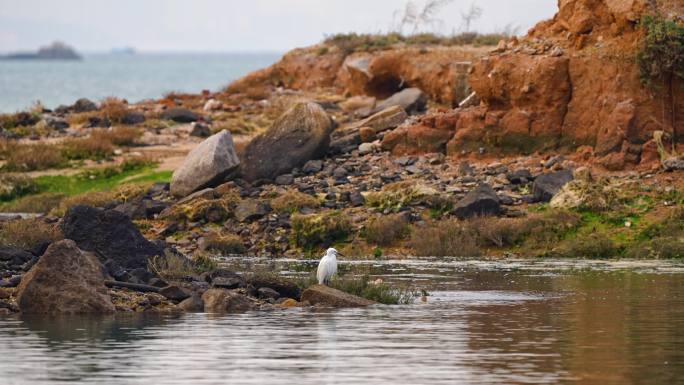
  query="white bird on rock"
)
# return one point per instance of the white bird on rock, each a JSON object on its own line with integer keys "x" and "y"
{"x": 327, "y": 267}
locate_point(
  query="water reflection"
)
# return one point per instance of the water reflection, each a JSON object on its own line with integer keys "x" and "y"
{"x": 483, "y": 324}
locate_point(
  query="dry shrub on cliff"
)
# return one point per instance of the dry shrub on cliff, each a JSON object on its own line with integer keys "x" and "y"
{"x": 27, "y": 233}
{"x": 448, "y": 238}
{"x": 386, "y": 230}
{"x": 661, "y": 60}
{"x": 352, "y": 42}
{"x": 31, "y": 157}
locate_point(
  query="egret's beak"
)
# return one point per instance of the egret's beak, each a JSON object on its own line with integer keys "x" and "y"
{"x": 341, "y": 255}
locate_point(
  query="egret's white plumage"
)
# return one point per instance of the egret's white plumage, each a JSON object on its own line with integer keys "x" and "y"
{"x": 327, "y": 267}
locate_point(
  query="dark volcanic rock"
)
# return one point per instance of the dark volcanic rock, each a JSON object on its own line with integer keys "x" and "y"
{"x": 480, "y": 201}
{"x": 58, "y": 124}
{"x": 174, "y": 293}
{"x": 227, "y": 282}
{"x": 299, "y": 135}
{"x": 267, "y": 293}
{"x": 284, "y": 287}
{"x": 141, "y": 208}
{"x": 180, "y": 115}
{"x": 64, "y": 281}
{"x": 547, "y": 185}
{"x": 357, "y": 199}
{"x": 522, "y": 176}
{"x": 11, "y": 255}
{"x": 83, "y": 105}
{"x": 132, "y": 117}
{"x": 345, "y": 144}
{"x": 110, "y": 235}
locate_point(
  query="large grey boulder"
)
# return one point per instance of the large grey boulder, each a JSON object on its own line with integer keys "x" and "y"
{"x": 64, "y": 281}
{"x": 206, "y": 165}
{"x": 299, "y": 135}
{"x": 412, "y": 100}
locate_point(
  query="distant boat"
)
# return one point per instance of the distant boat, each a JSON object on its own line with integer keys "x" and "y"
{"x": 124, "y": 51}
{"x": 54, "y": 51}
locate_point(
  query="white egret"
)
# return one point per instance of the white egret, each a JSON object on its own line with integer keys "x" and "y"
{"x": 327, "y": 267}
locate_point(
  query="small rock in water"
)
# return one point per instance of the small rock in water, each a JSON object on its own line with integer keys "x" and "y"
{"x": 327, "y": 296}
{"x": 193, "y": 304}
{"x": 226, "y": 301}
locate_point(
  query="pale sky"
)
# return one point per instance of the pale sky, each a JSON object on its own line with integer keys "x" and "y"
{"x": 228, "y": 25}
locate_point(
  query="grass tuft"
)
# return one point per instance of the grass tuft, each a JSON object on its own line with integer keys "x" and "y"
{"x": 293, "y": 201}
{"x": 27, "y": 233}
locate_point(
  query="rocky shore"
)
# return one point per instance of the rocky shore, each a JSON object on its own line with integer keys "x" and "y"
{"x": 544, "y": 146}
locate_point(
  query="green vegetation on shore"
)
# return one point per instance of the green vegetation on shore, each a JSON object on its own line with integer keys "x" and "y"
{"x": 55, "y": 193}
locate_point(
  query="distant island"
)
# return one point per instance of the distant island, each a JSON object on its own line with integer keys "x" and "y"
{"x": 54, "y": 51}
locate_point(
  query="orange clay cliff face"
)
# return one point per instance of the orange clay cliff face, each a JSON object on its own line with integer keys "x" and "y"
{"x": 441, "y": 72}
{"x": 572, "y": 83}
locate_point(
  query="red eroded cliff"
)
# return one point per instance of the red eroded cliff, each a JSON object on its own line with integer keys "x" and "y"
{"x": 571, "y": 81}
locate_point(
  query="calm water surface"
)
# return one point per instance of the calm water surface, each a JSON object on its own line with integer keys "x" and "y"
{"x": 484, "y": 323}
{"x": 133, "y": 77}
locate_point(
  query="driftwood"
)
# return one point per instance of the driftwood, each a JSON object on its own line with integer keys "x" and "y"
{"x": 133, "y": 286}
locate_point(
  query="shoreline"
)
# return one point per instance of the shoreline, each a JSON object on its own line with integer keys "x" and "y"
{"x": 374, "y": 146}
